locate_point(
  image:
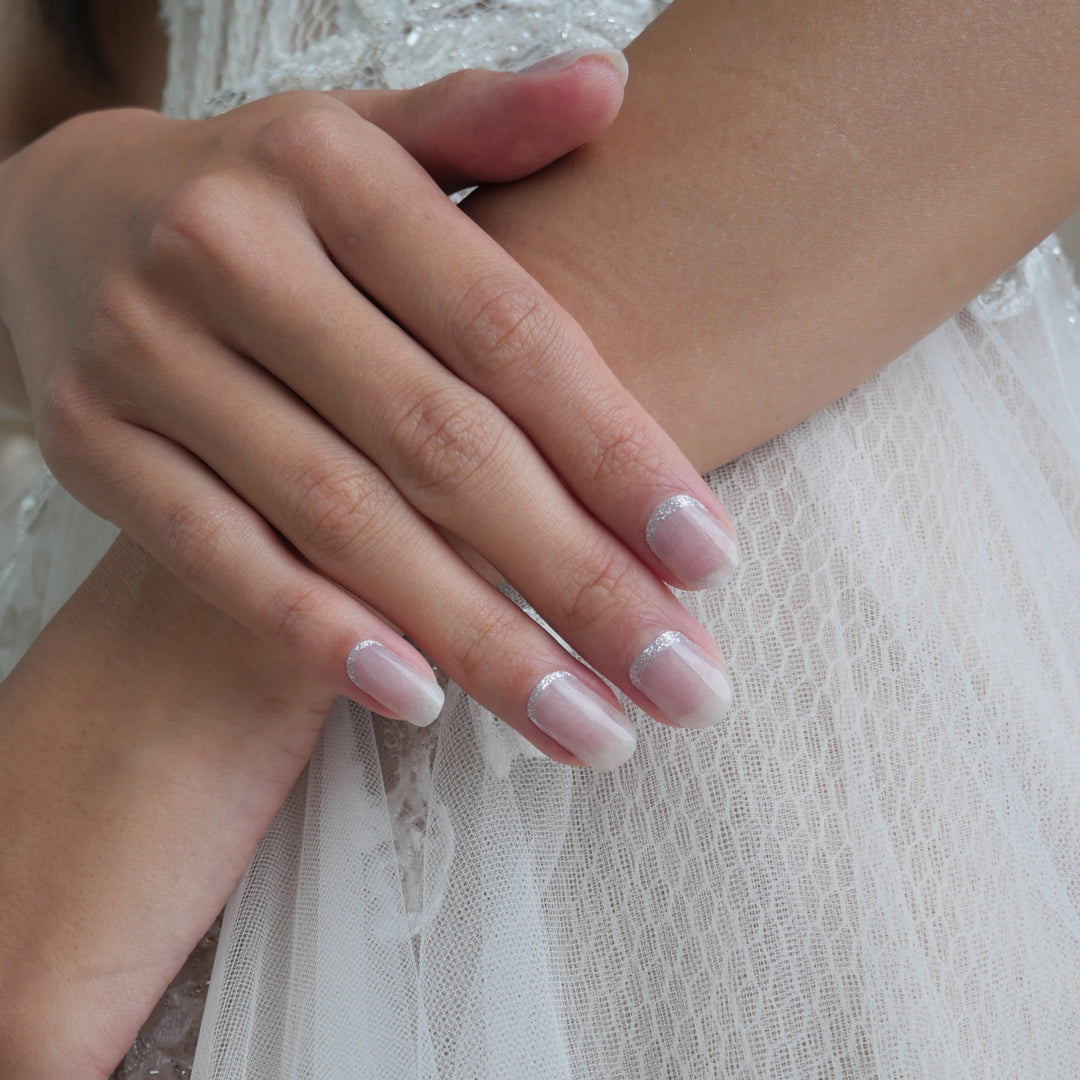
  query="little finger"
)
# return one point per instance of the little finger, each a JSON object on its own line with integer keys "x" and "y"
{"x": 195, "y": 526}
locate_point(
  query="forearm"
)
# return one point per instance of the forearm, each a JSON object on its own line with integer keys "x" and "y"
{"x": 794, "y": 193}
{"x": 145, "y": 743}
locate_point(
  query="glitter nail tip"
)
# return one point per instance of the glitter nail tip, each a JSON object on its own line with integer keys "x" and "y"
{"x": 581, "y": 721}
{"x": 691, "y": 543}
{"x": 399, "y": 687}
{"x": 687, "y": 686}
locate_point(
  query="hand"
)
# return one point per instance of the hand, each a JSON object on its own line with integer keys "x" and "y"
{"x": 269, "y": 348}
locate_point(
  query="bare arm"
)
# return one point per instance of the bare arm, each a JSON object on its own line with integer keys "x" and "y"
{"x": 145, "y": 744}
{"x": 794, "y": 193}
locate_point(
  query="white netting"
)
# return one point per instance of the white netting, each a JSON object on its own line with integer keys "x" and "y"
{"x": 870, "y": 871}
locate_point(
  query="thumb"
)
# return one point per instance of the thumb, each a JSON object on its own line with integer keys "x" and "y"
{"x": 487, "y": 127}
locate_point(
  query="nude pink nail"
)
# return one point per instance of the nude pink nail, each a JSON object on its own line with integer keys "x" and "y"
{"x": 689, "y": 687}
{"x": 691, "y": 543}
{"x": 399, "y": 687}
{"x": 562, "y": 706}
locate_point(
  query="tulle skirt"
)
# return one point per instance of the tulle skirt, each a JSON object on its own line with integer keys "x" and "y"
{"x": 871, "y": 869}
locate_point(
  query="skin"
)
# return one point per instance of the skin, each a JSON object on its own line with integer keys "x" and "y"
{"x": 180, "y": 292}
{"x": 29, "y": 107}
{"x": 868, "y": 170}
{"x": 857, "y": 189}
{"x": 957, "y": 146}
{"x": 135, "y": 787}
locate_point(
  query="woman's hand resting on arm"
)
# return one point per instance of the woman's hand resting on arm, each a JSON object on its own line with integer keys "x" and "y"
{"x": 270, "y": 348}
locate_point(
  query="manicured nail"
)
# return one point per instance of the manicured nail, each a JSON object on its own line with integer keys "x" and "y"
{"x": 394, "y": 683}
{"x": 691, "y": 543}
{"x": 689, "y": 687}
{"x": 563, "y": 707}
{"x": 564, "y": 60}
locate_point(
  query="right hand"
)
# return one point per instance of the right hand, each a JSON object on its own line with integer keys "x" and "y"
{"x": 269, "y": 348}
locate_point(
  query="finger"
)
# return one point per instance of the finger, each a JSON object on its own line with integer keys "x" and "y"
{"x": 345, "y": 518}
{"x": 485, "y": 126}
{"x": 464, "y": 466}
{"x": 474, "y": 307}
{"x": 191, "y": 523}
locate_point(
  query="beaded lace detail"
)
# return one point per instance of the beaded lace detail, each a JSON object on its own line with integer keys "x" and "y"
{"x": 226, "y": 53}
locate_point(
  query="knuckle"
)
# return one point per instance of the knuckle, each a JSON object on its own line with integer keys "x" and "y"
{"x": 308, "y": 132}
{"x": 604, "y": 588}
{"x": 508, "y": 329}
{"x": 338, "y": 506}
{"x": 484, "y": 649}
{"x": 62, "y": 406}
{"x": 196, "y": 218}
{"x": 458, "y": 89}
{"x": 67, "y": 421}
{"x": 121, "y": 320}
{"x": 450, "y": 87}
{"x": 447, "y": 438}
{"x": 195, "y": 539}
{"x": 290, "y": 612}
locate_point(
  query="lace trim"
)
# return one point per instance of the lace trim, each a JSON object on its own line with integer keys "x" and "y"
{"x": 385, "y": 47}
{"x": 1013, "y": 293}
{"x": 23, "y": 573}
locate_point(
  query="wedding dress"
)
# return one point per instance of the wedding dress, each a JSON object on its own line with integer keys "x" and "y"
{"x": 869, "y": 870}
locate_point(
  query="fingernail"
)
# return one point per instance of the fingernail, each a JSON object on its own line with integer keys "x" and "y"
{"x": 689, "y": 687}
{"x": 564, "y": 60}
{"x": 691, "y": 543}
{"x": 394, "y": 683}
{"x": 562, "y": 706}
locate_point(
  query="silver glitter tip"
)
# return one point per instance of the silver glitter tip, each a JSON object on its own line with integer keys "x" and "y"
{"x": 665, "y": 510}
{"x": 541, "y": 686}
{"x": 350, "y": 663}
{"x": 664, "y": 642}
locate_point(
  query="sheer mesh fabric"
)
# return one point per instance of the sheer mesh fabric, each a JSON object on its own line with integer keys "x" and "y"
{"x": 870, "y": 870}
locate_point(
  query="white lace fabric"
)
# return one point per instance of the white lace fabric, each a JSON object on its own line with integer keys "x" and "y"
{"x": 869, "y": 871}
{"x": 225, "y": 52}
